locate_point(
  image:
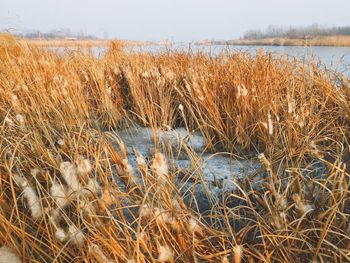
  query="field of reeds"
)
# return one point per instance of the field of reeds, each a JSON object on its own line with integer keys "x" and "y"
{"x": 331, "y": 41}
{"x": 68, "y": 192}
{"x": 80, "y": 42}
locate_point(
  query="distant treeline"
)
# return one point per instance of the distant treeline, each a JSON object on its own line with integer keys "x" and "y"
{"x": 296, "y": 32}
{"x": 55, "y": 34}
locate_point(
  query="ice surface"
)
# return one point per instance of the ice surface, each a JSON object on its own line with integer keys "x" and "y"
{"x": 213, "y": 174}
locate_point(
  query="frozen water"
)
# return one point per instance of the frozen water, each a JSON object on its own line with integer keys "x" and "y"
{"x": 210, "y": 177}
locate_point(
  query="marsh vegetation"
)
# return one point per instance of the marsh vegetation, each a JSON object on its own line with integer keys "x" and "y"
{"x": 72, "y": 190}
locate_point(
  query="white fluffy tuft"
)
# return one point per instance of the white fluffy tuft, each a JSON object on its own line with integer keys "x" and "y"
{"x": 8, "y": 255}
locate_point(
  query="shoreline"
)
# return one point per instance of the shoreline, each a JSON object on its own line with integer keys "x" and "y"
{"x": 336, "y": 41}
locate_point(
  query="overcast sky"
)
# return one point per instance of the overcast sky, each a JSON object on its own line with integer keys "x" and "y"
{"x": 179, "y": 20}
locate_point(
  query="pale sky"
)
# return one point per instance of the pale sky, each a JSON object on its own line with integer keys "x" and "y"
{"x": 178, "y": 20}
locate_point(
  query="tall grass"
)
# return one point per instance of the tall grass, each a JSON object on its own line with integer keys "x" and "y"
{"x": 67, "y": 193}
{"x": 332, "y": 41}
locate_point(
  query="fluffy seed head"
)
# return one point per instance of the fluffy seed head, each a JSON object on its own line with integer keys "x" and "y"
{"x": 30, "y": 195}
{"x": 128, "y": 171}
{"x": 165, "y": 253}
{"x": 58, "y": 193}
{"x": 96, "y": 252}
{"x": 8, "y": 255}
{"x": 263, "y": 160}
{"x": 60, "y": 235}
{"x": 160, "y": 167}
{"x": 76, "y": 235}
{"x": 163, "y": 216}
{"x": 145, "y": 211}
{"x": 70, "y": 176}
{"x": 270, "y": 124}
{"x": 83, "y": 166}
{"x": 193, "y": 226}
{"x": 93, "y": 186}
{"x": 20, "y": 118}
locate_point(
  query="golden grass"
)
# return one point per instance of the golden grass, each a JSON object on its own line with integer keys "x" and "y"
{"x": 314, "y": 41}
{"x": 55, "y": 113}
{"x": 81, "y": 43}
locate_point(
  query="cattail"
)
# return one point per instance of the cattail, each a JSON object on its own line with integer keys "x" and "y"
{"x": 242, "y": 91}
{"x": 145, "y": 75}
{"x": 270, "y": 124}
{"x": 83, "y": 166}
{"x": 237, "y": 251}
{"x": 20, "y": 119}
{"x": 264, "y": 161}
{"x": 8, "y": 255}
{"x": 97, "y": 253}
{"x": 193, "y": 226}
{"x": 141, "y": 163}
{"x": 76, "y": 235}
{"x": 176, "y": 204}
{"x": 30, "y": 195}
{"x": 61, "y": 235}
{"x": 160, "y": 168}
{"x": 70, "y": 176}
{"x": 163, "y": 216}
{"x": 129, "y": 172}
{"x": 299, "y": 121}
{"x": 93, "y": 186}
{"x": 145, "y": 211}
{"x": 166, "y": 254}
{"x": 59, "y": 194}
{"x": 291, "y": 105}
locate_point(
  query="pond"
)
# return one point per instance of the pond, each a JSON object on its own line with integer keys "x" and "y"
{"x": 334, "y": 58}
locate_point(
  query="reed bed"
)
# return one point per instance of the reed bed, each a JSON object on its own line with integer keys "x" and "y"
{"x": 328, "y": 41}
{"x": 69, "y": 193}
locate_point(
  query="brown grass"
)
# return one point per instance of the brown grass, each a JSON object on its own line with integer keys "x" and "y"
{"x": 247, "y": 105}
{"x": 80, "y": 43}
{"x": 315, "y": 41}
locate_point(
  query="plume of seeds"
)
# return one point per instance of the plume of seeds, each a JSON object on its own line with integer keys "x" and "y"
{"x": 160, "y": 168}
{"x": 8, "y": 255}
{"x": 96, "y": 252}
{"x": 165, "y": 254}
{"x": 263, "y": 160}
{"x": 70, "y": 176}
{"x": 30, "y": 195}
